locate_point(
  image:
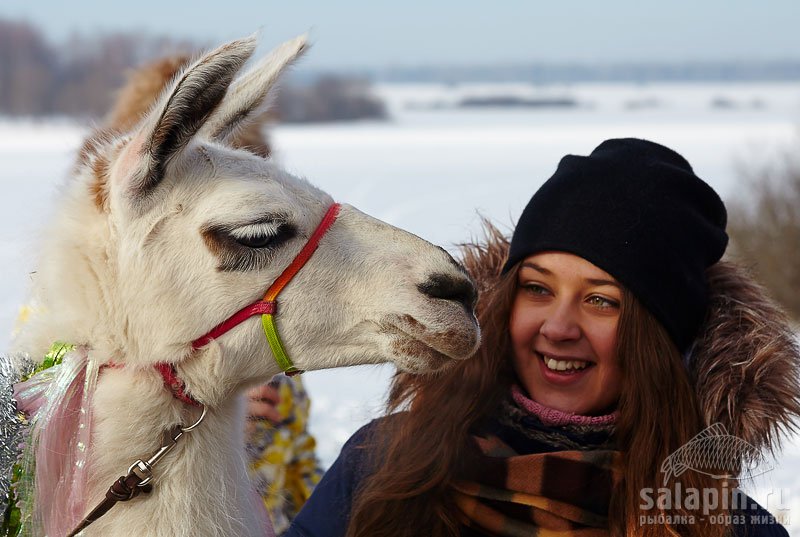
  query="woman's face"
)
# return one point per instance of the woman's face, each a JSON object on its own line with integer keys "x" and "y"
{"x": 564, "y": 332}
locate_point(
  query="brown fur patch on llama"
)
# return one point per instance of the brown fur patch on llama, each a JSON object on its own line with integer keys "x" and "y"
{"x": 99, "y": 186}
{"x": 141, "y": 91}
{"x": 92, "y": 156}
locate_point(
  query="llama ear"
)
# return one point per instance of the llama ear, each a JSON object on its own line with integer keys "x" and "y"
{"x": 180, "y": 113}
{"x": 252, "y": 93}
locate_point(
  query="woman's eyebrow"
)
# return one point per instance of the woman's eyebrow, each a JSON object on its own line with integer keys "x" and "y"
{"x": 594, "y": 281}
{"x": 548, "y": 272}
{"x": 536, "y": 267}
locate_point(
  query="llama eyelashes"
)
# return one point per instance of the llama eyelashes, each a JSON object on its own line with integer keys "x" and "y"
{"x": 247, "y": 248}
{"x": 260, "y": 235}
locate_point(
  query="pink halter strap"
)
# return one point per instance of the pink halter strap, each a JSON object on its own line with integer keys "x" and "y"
{"x": 174, "y": 384}
{"x": 258, "y": 308}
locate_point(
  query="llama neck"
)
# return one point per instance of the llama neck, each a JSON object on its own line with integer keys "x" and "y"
{"x": 201, "y": 487}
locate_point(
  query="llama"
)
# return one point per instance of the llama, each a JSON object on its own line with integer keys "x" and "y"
{"x": 167, "y": 231}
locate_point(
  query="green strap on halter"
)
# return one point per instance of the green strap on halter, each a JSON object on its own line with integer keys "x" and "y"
{"x": 271, "y": 331}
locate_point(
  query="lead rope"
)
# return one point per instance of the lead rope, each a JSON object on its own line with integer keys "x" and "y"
{"x": 139, "y": 477}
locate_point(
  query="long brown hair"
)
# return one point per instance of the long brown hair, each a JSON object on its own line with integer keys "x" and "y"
{"x": 658, "y": 413}
{"x": 423, "y": 448}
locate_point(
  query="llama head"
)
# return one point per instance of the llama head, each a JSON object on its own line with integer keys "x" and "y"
{"x": 166, "y": 231}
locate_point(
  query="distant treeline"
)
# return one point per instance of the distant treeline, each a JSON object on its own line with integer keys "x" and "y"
{"x": 552, "y": 73}
{"x": 79, "y": 77}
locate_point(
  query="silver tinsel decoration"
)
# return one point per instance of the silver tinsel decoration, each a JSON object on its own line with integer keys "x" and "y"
{"x": 12, "y": 427}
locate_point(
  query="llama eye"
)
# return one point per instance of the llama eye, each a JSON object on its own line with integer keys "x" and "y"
{"x": 245, "y": 247}
{"x": 257, "y": 241}
{"x": 259, "y": 236}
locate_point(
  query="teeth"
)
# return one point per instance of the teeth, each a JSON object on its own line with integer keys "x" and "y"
{"x": 563, "y": 365}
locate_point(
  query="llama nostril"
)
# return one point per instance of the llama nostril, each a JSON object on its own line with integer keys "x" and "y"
{"x": 456, "y": 288}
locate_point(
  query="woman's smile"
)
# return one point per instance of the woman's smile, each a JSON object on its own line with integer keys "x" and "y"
{"x": 563, "y": 371}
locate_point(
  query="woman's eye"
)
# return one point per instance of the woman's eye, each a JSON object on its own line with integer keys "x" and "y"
{"x": 535, "y": 289}
{"x": 602, "y": 302}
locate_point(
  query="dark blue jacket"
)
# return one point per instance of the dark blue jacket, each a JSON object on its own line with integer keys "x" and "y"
{"x": 327, "y": 512}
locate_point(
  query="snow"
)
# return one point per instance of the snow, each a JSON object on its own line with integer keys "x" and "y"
{"x": 432, "y": 172}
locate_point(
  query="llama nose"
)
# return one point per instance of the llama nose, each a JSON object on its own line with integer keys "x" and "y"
{"x": 449, "y": 287}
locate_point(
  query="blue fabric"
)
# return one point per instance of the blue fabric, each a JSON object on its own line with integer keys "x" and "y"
{"x": 758, "y": 522}
{"x": 327, "y": 512}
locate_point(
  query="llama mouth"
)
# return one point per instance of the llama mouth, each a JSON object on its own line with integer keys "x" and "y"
{"x": 416, "y": 356}
{"x": 455, "y": 342}
{"x": 412, "y": 353}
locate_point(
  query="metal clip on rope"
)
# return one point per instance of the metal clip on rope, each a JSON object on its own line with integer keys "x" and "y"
{"x": 144, "y": 469}
{"x": 140, "y": 475}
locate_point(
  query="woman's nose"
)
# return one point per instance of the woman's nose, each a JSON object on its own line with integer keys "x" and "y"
{"x": 561, "y": 324}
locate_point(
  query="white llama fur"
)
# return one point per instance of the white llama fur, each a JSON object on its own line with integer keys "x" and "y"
{"x": 131, "y": 271}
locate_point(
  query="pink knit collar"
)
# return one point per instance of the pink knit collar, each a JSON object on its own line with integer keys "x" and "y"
{"x": 552, "y": 417}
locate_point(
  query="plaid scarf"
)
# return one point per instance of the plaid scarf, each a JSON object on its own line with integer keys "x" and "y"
{"x": 510, "y": 491}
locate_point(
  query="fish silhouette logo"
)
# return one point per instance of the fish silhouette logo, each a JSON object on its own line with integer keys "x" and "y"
{"x": 716, "y": 453}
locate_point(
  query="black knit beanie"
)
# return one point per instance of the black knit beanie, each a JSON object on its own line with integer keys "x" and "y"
{"x": 635, "y": 209}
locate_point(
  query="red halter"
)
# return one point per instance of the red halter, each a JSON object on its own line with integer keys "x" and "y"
{"x": 267, "y": 307}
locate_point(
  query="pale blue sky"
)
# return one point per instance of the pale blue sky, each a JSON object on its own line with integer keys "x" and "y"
{"x": 415, "y": 32}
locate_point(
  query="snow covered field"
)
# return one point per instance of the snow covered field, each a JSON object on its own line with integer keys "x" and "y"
{"x": 432, "y": 171}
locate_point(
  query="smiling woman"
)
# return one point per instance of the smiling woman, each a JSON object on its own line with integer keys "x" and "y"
{"x": 612, "y": 335}
{"x": 563, "y": 333}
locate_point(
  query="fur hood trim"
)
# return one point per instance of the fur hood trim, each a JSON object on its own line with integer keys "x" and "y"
{"x": 745, "y": 364}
